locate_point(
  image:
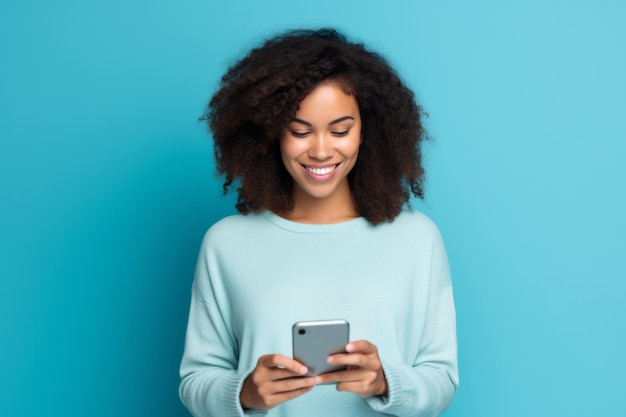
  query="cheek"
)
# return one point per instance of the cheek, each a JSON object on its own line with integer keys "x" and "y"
{"x": 288, "y": 154}
{"x": 353, "y": 146}
{"x": 289, "y": 148}
{"x": 284, "y": 150}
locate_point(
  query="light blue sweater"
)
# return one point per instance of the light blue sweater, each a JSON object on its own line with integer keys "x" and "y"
{"x": 259, "y": 274}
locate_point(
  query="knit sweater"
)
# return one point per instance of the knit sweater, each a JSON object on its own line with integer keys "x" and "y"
{"x": 259, "y": 274}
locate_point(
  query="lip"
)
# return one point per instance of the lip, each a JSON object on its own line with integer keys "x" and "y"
{"x": 321, "y": 176}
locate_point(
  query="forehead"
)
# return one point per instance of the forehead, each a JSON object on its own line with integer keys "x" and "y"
{"x": 328, "y": 98}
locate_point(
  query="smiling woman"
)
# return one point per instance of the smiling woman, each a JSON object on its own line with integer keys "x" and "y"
{"x": 258, "y": 101}
{"x": 319, "y": 149}
{"x": 324, "y": 140}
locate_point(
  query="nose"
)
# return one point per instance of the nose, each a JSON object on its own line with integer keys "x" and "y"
{"x": 321, "y": 147}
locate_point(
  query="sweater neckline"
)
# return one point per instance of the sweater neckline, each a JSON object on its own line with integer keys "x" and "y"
{"x": 313, "y": 228}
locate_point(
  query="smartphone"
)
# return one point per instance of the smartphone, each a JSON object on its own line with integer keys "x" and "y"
{"x": 314, "y": 341}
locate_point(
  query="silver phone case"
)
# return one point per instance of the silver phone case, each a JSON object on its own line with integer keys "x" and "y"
{"x": 314, "y": 341}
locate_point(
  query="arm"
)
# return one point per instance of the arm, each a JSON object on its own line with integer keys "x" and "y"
{"x": 425, "y": 384}
{"x": 424, "y": 389}
{"x": 212, "y": 381}
{"x": 209, "y": 385}
{"x": 427, "y": 387}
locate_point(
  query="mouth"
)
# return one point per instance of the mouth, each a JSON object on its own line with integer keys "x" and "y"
{"x": 325, "y": 170}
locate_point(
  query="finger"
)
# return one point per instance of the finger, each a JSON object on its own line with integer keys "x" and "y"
{"x": 350, "y": 359}
{"x": 258, "y": 392}
{"x": 361, "y": 346}
{"x": 276, "y": 374}
{"x": 361, "y": 387}
{"x": 294, "y": 384}
{"x": 280, "y": 398}
{"x": 280, "y": 361}
{"x": 365, "y": 385}
{"x": 358, "y": 360}
{"x": 341, "y": 376}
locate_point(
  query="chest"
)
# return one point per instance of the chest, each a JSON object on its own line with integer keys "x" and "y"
{"x": 376, "y": 286}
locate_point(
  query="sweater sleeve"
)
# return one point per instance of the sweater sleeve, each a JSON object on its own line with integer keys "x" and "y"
{"x": 210, "y": 384}
{"x": 426, "y": 387}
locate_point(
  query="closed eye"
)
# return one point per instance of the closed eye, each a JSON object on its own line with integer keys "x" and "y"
{"x": 342, "y": 133}
{"x": 299, "y": 134}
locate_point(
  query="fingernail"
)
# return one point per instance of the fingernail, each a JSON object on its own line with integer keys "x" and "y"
{"x": 318, "y": 380}
{"x": 330, "y": 359}
{"x": 349, "y": 347}
{"x": 303, "y": 370}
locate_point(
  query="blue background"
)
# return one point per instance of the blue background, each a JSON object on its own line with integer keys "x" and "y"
{"x": 107, "y": 187}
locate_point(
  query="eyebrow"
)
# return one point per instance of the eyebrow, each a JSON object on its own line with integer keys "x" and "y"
{"x": 334, "y": 122}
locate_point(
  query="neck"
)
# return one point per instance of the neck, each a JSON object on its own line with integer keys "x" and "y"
{"x": 333, "y": 209}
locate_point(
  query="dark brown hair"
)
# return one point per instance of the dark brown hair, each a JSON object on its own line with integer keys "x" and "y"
{"x": 260, "y": 94}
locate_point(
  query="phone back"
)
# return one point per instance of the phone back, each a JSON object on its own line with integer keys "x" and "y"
{"x": 314, "y": 341}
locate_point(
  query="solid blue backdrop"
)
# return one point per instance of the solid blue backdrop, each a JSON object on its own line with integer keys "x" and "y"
{"x": 107, "y": 187}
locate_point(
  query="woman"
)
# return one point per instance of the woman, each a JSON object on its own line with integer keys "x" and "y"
{"x": 322, "y": 140}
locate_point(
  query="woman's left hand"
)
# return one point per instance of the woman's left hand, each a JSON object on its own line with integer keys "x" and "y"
{"x": 364, "y": 375}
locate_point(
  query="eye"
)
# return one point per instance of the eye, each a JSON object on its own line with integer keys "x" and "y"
{"x": 298, "y": 134}
{"x": 341, "y": 133}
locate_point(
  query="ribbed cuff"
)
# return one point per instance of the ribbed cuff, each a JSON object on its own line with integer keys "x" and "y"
{"x": 237, "y": 391}
{"x": 381, "y": 403}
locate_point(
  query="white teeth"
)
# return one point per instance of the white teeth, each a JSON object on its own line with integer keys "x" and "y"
{"x": 321, "y": 171}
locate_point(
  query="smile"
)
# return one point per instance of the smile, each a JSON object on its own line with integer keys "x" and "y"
{"x": 321, "y": 171}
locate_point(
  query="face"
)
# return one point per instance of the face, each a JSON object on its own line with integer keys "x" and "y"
{"x": 321, "y": 144}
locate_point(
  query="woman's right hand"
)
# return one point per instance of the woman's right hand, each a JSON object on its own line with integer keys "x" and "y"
{"x": 275, "y": 379}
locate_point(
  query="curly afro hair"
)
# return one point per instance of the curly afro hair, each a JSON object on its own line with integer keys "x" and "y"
{"x": 260, "y": 94}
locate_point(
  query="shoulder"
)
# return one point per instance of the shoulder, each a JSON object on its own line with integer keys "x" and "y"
{"x": 233, "y": 228}
{"x": 412, "y": 231}
{"x": 422, "y": 235}
{"x": 414, "y": 223}
{"x": 236, "y": 221}
{"x": 416, "y": 218}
